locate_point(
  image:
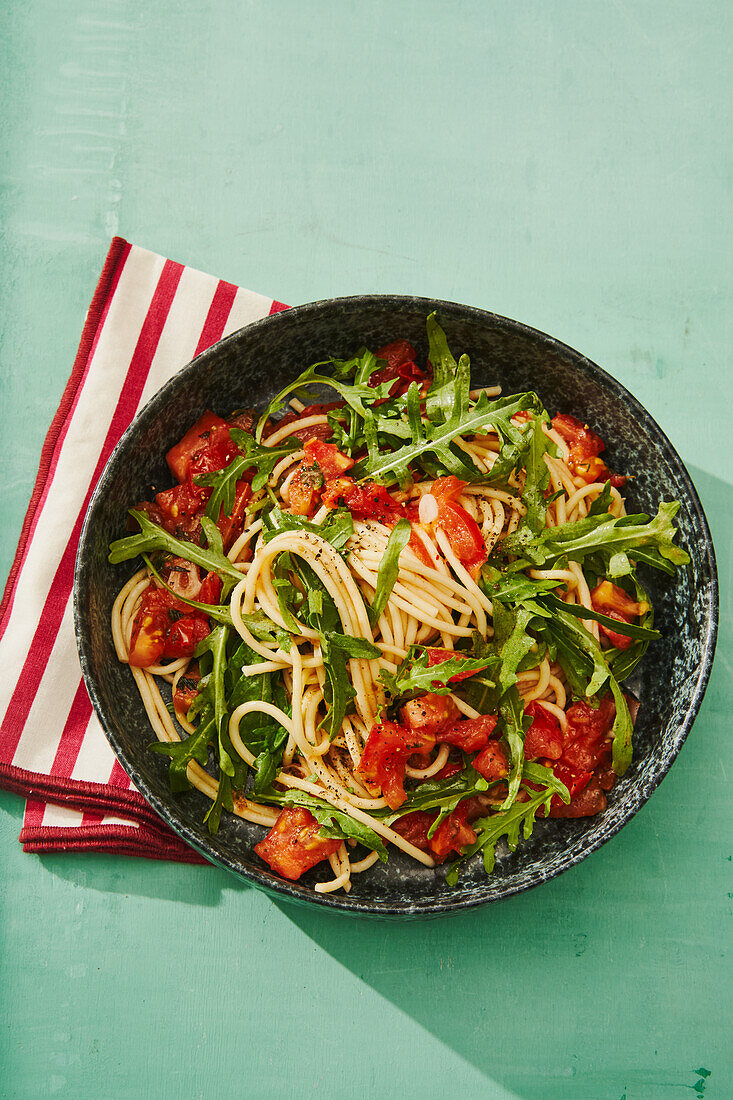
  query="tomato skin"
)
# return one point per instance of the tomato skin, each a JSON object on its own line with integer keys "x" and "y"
{"x": 293, "y": 846}
{"x": 491, "y": 762}
{"x": 164, "y": 627}
{"x": 471, "y": 734}
{"x": 608, "y": 599}
{"x": 329, "y": 458}
{"x": 186, "y": 690}
{"x": 367, "y": 501}
{"x": 430, "y": 714}
{"x": 437, "y": 656}
{"x": 585, "y": 447}
{"x": 208, "y": 429}
{"x": 464, "y": 536}
{"x": 400, "y": 357}
{"x": 386, "y": 752}
{"x": 231, "y": 526}
{"x": 453, "y": 833}
{"x": 543, "y": 739}
{"x": 211, "y": 587}
{"x": 461, "y": 529}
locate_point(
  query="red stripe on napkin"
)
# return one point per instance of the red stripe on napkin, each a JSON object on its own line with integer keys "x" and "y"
{"x": 56, "y": 601}
{"x": 103, "y": 295}
{"x": 221, "y": 307}
{"x": 136, "y": 288}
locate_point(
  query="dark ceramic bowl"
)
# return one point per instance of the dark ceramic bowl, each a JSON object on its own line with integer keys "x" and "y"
{"x": 247, "y": 369}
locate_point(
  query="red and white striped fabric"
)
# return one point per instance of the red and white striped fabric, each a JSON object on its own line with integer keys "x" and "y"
{"x": 148, "y": 318}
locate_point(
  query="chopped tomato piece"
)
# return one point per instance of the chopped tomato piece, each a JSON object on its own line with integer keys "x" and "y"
{"x": 471, "y": 734}
{"x": 401, "y": 366}
{"x": 453, "y": 833}
{"x": 367, "y": 501}
{"x": 414, "y": 827}
{"x": 396, "y": 354}
{"x": 543, "y": 739}
{"x": 230, "y": 526}
{"x": 430, "y": 714}
{"x": 461, "y": 529}
{"x": 585, "y": 446}
{"x": 164, "y": 627}
{"x": 182, "y": 500}
{"x": 463, "y": 534}
{"x": 584, "y": 803}
{"x": 491, "y": 762}
{"x": 438, "y": 656}
{"x": 587, "y": 741}
{"x": 186, "y": 690}
{"x": 447, "y": 488}
{"x": 304, "y": 488}
{"x": 386, "y": 752}
{"x": 208, "y": 429}
{"x": 210, "y": 589}
{"x": 184, "y": 635}
{"x": 293, "y": 845}
{"x": 453, "y": 767}
{"x": 609, "y": 599}
{"x": 331, "y": 461}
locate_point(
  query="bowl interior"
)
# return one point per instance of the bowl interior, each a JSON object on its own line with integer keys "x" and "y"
{"x": 246, "y": 370}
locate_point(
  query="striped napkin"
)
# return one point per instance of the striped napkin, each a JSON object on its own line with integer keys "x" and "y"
{"x": 148, "y": 318}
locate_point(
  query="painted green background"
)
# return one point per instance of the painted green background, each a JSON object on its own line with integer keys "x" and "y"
{"x": 567, "y": 164}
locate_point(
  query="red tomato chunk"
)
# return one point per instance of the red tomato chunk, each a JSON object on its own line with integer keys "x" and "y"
{"x": 293, "y": 845}
{"x": 164, "y": 627}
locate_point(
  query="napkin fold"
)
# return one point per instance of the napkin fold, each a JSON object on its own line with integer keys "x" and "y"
{"x": 149, "y": 317}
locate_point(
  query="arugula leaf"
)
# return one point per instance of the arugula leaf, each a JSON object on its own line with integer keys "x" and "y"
{"x": 182, "y": 753}
{"x": 508, "y": 823}
{"x": 466, "y": 419}
{"x": 337, "y": 527}
{"x": 537, "y": 477}
{"x": 513, "y": 588}
{"x": 335, "y": 825}
{"x": 630, "y": 630}
{"x": 416, "y": 677}
{"x": 357, "y": 397}
{"x": 224, "y": 482}
{"x": 154, "y": 538}
{"x": 511, "y": 715}
{"x": 215, "y": 644}
{"x": 446, "y": 371}
{"x": 389, "y": 567}
{"x": 647, "y": 540}
{"x": 223, "y": 801}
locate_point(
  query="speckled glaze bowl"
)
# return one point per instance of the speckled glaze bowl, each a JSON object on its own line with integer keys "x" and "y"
{"x": 247, "y": 369}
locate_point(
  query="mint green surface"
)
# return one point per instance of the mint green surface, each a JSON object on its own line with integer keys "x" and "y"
{"x": 566, "y": 164}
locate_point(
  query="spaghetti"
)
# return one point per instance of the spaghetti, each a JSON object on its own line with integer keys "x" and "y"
{"x": 401, "y": 619}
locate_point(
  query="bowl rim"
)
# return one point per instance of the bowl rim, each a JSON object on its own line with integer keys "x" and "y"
{"x": 637, "y": 797}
